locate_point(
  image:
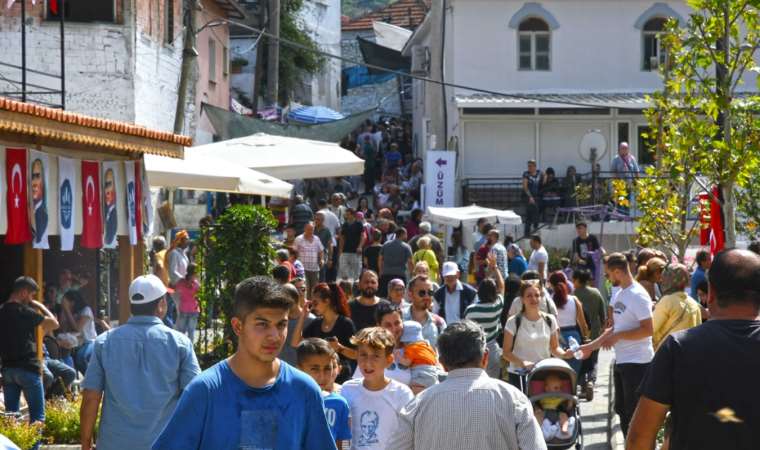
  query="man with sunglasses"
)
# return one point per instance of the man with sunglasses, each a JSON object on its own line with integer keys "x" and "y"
{"x": 421, "y": 296}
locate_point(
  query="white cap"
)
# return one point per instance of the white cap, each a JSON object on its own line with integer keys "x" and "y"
{"x": 450, "y": 268}
{"x": 145, "y": 289}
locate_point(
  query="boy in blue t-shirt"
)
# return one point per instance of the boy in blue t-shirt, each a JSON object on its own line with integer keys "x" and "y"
{"x": 319, "y": 360}
{"x": 252, "y": 399}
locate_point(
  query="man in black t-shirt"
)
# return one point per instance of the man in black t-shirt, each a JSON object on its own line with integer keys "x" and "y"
{"x": 19, "y": 318}
{"x": 717, "y": 408}
{"x": 350, "y": 245}
{"x": 584, "y": 246}
{"x": 363, "y": 307}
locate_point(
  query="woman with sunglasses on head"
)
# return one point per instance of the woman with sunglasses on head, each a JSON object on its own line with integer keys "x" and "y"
{"x": 333, "y": 324}
{"x": 487, "y": 313}
{"x": 531, "y": 335}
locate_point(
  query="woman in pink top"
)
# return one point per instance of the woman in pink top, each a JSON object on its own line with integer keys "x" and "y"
{"x": 187, "y": 291}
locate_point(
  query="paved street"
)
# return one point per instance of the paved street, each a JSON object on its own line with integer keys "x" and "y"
{"x": 596, "y": 413}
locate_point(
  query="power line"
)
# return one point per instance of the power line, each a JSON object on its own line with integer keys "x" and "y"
{"x": 405, "y": 74}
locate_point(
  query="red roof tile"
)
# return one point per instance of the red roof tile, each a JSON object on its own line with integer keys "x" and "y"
{"x": 92, "y": 122}
{"x": 402, "y": 13}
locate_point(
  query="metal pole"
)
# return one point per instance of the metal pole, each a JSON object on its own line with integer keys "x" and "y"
{"x": 23, "y": 50}
{"x": 61, "y": 13}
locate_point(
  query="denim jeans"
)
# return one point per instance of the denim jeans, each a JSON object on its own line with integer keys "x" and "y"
{"x": 16, "y": 381}
{"x": 187, "y": 323}
{"x": 52, "y": 371}
{"x": 82, "y": 356}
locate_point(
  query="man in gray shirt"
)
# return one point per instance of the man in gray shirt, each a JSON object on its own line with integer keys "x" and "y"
{"x": 625, "y": 167}
{"x": 502, "y": 416}
{"x": 395, "y": 261}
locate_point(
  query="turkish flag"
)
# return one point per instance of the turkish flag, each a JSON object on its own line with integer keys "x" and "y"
{"x": 138, "y": 199}
{"x": 19, "y": 228}
{"x": 92, "y": 220}
{"x": 717, "y": 236}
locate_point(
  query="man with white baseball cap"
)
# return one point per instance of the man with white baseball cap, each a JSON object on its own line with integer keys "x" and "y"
{"x": 454, "y": 296}
{"x": 138, "y": 370}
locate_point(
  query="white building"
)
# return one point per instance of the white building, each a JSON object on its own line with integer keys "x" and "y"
{"x": 573, "y": 66}
{"x": 321, "y": 18}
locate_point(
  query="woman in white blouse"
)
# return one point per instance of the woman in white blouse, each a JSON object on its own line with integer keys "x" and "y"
{"x": 531, "y": 335}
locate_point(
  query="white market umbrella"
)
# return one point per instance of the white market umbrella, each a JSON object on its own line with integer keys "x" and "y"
{"x": 212, "y": 174}
{"x": 283, "y": 157}
{"x": 467, "y": 215}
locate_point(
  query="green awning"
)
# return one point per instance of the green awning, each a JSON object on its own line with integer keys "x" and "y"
{"x": 230, "y": 125}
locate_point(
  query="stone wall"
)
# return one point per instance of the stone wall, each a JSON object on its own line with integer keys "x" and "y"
{"x": 365, "y": 97}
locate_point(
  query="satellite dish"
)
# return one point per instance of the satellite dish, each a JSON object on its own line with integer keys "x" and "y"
{"x": 593, "y": 146}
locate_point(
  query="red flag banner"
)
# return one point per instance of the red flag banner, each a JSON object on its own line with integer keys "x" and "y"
{"x": 92, "y": 220}
{"x": 19, "y": 228}
{"x": 717, "y": 236}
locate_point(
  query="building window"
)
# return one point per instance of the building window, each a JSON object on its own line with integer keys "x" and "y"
{"x": 647, "y": 145}
{"x": 212, "y": 61}
{"x": 652, "y": 53}
{"x": 169, "y": 12}
{"x": 534, "y": 45}
{"x": 85, "y": 11}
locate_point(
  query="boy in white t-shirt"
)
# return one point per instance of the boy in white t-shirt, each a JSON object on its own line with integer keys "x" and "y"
{"x": 630, "y": 336}
{"x": 375, "y": 400}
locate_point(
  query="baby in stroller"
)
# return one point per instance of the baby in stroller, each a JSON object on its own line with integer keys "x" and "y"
{"x": 554, "y": 414}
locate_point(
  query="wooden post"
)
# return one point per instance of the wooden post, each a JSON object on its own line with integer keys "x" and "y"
{"x": 126, "y": 275}
{"x": 33, "y": 268}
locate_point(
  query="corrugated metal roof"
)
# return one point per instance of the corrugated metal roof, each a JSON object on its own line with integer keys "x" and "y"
{"x": 402, "y": 13}
{"x": 634, "y": 100}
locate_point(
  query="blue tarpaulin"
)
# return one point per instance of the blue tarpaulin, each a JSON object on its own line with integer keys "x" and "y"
{"x": 359, "y": 76}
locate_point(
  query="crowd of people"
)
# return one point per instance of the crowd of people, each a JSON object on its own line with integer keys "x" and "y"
{"x": 371, "y": 334}
{"x": 543, "y": 191}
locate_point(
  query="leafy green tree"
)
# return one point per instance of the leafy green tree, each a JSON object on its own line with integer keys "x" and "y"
{"x": 705, "y": 115}
{"x": 236, "y": 247}
{"x": 708, "y": 117}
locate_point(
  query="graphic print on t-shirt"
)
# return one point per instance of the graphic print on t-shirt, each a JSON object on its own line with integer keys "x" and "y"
{"x": 258, "y": 430}
{"x": 618, "y": 308}
{"x": 369, "y": 422}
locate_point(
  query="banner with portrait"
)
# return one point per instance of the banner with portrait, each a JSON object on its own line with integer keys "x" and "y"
{"x": 67, "y": 202}
{"x": 111, "y": 180}
{"x": 39, "y": 182}
{"x": 92, "y": 220}
{"x": 147, "y": 202}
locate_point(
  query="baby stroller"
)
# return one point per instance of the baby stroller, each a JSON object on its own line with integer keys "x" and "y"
{"x": 533, "y": 387}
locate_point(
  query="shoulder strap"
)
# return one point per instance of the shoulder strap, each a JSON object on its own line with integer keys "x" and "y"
{"x": 518, "y": 319}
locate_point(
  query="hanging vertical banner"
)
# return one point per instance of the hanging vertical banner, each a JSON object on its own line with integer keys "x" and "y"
{"x": 440, "y": 178}
{"x": 131, "y": 201}
{"x": 147, "y": 204}
{"x": 19, "y": 230}
{"x": 138, "y": 196}
{"x": 66, "y": 202}
{"x": 92, "y": 221}
{"x": 39, "y": 177}
{"x": 111, "y": 178}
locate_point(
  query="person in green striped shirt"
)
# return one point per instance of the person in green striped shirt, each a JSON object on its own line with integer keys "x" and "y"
{"x": 486, "y": 312}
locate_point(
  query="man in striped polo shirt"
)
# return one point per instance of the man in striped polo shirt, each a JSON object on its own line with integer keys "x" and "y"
{"x": 486, "y": 312}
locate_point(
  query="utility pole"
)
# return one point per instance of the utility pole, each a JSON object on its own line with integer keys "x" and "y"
{"x": 189, "y": 55}
{"x": 273, "y": 60}
{"x": 258, "y": 71}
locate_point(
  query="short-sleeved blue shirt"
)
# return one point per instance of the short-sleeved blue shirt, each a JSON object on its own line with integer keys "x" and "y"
{"x": 219, "y": 411}
{"x": 338, "y": 414}
{"x": 141, "y": 368}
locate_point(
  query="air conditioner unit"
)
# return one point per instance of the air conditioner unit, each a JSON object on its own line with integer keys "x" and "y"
{"x": 654, "y": 62}
{"x": 420, "y": 60}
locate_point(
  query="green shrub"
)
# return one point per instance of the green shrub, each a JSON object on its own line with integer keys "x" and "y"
{"x": 236, "y": 247}
{"x": 20, "y": 432}
{"x": 62, "y": 421}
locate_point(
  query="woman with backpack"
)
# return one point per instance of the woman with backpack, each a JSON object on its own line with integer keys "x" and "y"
{"x": 531, "y": 335}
